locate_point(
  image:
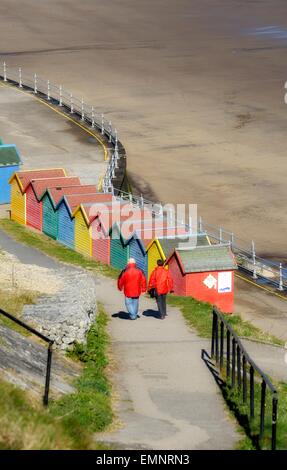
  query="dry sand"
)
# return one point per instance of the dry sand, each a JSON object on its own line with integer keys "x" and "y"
{"x": 197, "y": 97}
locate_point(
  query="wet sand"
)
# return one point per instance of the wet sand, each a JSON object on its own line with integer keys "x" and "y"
{"x": 194, "y": 87}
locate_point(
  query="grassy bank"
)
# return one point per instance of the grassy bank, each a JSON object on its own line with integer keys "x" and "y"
{"x": 241, "y": 411}
{"x": 68, "y": 423}
{"x": 13, "y": 301}
{"x": 54, "y": 249}
{"x": 198, "y": 315}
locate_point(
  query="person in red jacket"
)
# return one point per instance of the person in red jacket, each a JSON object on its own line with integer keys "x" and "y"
{"x": 133, "y": 282}
{"x": 162, "y": 282}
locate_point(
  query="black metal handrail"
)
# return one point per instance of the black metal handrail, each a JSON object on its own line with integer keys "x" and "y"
{"x": 236, "y": 363}
{"x": 49, "y": 356}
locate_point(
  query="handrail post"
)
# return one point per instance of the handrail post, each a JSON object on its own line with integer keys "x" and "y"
{"x": 83, "y": 110}
{"x": 61, "y": 96}
{"x": 110, "y": 131}
{"x": 20, "y": 78}
{"x": 274, "y": 421}
{"x": 48, "y": 90}
{"x": 48, "y": 375}
{"x": 228, "y": 354}
{"x": 93, "y": 117}
{"x": 251, "y": 374}
{"x": 103, "y": 125}
{"x": 220, "y": 235}
{"x": 233, "y": 362}
{"x": 244, "y": 375}
{"x": 200, "y": 224}
{"x": 216, "y": 342}
{"x": 71, "y": 104}
{"x": 5, "y": 71}
{"x": 214, "y": 319}
{"x": 281, "y": 288}
{"x": 238, "y": 367}
{"x": 221, "y": 344}
{"x": 254, "y": 261}
{"x": 262, "y": 409}
{"x": 35, "y": 84}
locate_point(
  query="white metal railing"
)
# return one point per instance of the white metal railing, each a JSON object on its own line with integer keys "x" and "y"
{"x": 261, "y": 269}
{"x": 74, "y": 105}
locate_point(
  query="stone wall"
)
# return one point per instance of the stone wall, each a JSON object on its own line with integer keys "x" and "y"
{"x": 66, "y": 316}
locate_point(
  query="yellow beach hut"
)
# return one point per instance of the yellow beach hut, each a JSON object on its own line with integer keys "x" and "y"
{"x": 19, "y": 182}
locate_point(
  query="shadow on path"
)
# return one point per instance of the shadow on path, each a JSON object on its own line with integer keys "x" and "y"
{"x": 151, "y": 313}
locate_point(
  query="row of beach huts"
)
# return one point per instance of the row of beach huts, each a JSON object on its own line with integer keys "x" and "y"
{"x": 110, "y": 230}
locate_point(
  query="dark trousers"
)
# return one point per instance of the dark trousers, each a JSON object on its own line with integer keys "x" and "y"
{"x": 161, "y": 304}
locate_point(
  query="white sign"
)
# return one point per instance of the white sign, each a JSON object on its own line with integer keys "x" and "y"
{"x": 210, "y": 282}
{"x": 225, "y": 282}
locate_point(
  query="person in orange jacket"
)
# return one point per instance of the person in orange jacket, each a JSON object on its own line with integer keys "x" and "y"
{"x": 162, "y": 282}
{"x": 133, "y": 282}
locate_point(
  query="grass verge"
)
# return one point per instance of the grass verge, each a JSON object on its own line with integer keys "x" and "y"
{"x": 241, "y": 411}
{"x": 198, "y": 315}
{"x": 13, "y": 301}
{"x": 54, "y": 249}
{"x": 68, "y": 423}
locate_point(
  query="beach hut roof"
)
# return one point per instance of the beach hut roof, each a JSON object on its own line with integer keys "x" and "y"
{"x": 205, "y": 258}
{"x": 41, "y": 185}
{"x": 24, "y": 177}
{"x": 9, "y": 155}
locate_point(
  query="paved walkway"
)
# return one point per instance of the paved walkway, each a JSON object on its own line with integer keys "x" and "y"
{"x": 167, "y": 398}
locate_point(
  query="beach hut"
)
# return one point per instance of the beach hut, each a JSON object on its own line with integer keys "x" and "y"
{"x": 161, "y": 248}
{"x": 50, "y": 217}
{"x": 205, "y": 273}
{"x": 19, "y": 183}
{"x": 120, "y": 248}
{"x": 101, "y": 242}
{"x": 84, "y": 215}
{"x": 35, "y": 192}
{"x": 65, "y": 208}
{"x": 138, "y": 252}
{"x": 9, "y": 163}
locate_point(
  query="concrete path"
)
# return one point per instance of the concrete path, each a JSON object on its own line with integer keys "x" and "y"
{"x": 166, "y": 396}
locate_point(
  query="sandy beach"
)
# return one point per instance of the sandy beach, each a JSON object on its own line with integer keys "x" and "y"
{"x": 195, "y": 88}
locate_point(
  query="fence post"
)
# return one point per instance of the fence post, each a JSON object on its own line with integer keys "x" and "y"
{"x": 61, "y": 96}
{"x": 35, "y": 84}
{"x": 220, "y": 235}
{"x": 238, "y": 367}
{"x": 232, "y": 240}
{"x": 110, "y": 131}
{"x": 244, "y": 375}
{"x": 251, "y": 374}
{"x": 5, "y": 71}
{"x": 20, "y": 78}
{"x": 228, "y": 353}
{"x": 274, "y": 421}
{"x": 233, "y": 362}
{"x": 214, "y": 320}
{"x": 262, "y": 409}
{"x": 200, "y": 224}
{"x": 221, "y": 344}
{"x": 48, "y": 90}
{"x": 281, "y": 278}
{"x": 254, "y": 260}
{"x": 83, "y": 110}
{"x": 71, "y": 104}
{"x": 103, "y": 125}
{"x": 93, "y": 117}
{"x": 48, "y": 375}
